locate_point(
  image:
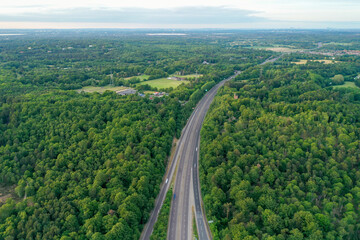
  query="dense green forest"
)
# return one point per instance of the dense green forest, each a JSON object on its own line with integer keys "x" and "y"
{"x": 85, "y": 165}
{"x": 71, "y": 61}
{"x": 282, "y": 160}
{"x": 89, "y": 165}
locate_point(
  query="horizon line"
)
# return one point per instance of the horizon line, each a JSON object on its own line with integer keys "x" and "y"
{"x": 179, "y": 28}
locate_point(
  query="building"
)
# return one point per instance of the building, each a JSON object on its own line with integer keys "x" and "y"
{"x": 159, "y": 94}
{"x": 126, "y": 92}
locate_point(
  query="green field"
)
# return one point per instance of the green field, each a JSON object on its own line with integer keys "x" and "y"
{"x": 141, "y": 77}
{"x": 188, "y": 76}
{"x": 163, "y": 83}
{"x": 347, "y": 85}
{"x": 277, "y": 48}
{"x": 338, "y": 43}
{"x": 92, "y": 89}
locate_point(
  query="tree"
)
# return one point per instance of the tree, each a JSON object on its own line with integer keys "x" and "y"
{"x": 338, "y": 79}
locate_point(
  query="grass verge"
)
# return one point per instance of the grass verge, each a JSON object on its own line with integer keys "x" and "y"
{"x": 161, "y": 226}
{"x": 195, "y": 232}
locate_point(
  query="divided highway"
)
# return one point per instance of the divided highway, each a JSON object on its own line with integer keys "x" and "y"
{"x": 187, "y": 186}
{"x": 187, "y": 196}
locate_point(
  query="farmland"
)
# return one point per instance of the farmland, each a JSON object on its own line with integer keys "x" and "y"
{"x": 325, "y": 61}
{"x": 188, "y": 76}
{"x": 281, "y": 49}
{"x": 92, "y": 89}
{"x": 163, "y": 83}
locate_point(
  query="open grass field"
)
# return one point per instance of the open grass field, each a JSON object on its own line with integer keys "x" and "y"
{"x": 91, "y": 89}
{"x": 163, "y": 83}
{"x": 188, "y": 76}
{"x": 276, "y": 49}
{"x": 347, "y": 85}
{"x": 325, "y": 61}
{"x": 281, "y": 49}
{"x": 338, "y": 43}
{"x": 141, "y": 77}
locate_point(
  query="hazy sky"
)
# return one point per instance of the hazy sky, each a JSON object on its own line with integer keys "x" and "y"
{"x": 179, "y": 14}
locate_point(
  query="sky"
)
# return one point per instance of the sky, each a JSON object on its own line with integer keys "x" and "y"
{"x": 242, "y": 14}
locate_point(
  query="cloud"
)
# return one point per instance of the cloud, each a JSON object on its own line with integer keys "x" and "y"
{"x": 184, "y": 15}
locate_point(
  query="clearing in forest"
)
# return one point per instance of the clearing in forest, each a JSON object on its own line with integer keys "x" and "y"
{"x": 325, "y": 61}
{"x": 141, "y": 77}
{"x": 7, "y": 192}
{"x": 92, "y": 89}
{"x": 347, "y": 85}
{"x": 164, "y": 83}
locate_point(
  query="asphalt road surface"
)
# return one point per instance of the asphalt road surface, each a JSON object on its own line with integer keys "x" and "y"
{"x": 187, "y": 187}
{"x": 271, "y": 59}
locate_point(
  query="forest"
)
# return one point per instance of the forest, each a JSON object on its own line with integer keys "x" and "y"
{"x": 71, "y": 61}
{"x": 281, "y": 161}
{"x": 89, "y": 165}
{"x": 84, "y": 165}
{"x": 280, "y": 154}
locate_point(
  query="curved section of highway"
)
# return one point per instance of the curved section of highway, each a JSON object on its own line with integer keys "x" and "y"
{"x": 187, "y": 195}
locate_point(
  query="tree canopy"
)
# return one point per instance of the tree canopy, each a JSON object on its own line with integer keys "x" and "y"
{"x": 282, "y": 160}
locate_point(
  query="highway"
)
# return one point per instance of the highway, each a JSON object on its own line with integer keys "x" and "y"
{"x": 271, "y": 60}
{"x": 187, "y": 195}
{"x": 184, "y": 165}
{"x": 186, "y": 199}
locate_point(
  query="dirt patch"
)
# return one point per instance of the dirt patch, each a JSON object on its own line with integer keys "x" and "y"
{"x": 4, "y": 198}
{"x": 7, "y": 192}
